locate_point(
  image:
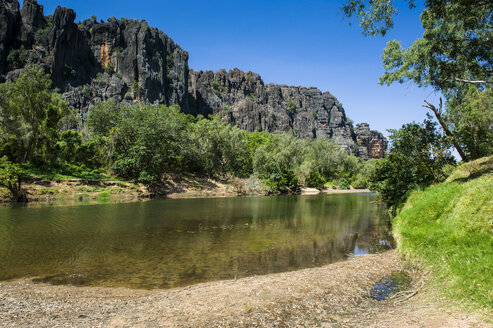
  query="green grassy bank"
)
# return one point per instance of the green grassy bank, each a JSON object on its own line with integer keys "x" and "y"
{"x": 448, "y": 229}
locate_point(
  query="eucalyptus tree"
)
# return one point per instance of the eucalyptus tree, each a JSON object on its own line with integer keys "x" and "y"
{"x": 454, "y": 55}
{"x": 30, "y": 114}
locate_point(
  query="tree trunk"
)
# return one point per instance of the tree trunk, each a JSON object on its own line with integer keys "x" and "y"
{"x": 19, "y": 195}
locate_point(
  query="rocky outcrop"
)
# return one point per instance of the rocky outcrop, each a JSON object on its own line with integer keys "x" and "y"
{"x": 32, "y": 21}
{"x": 242, "y": 99}
{"x": 372, "y": 144}
{"x": 129, "y": 61}
{"x": 147, "y": 60}
{"x": 125, "y": 60}
{"x": 73, "y": 62}
{"x": 9, "y": 29}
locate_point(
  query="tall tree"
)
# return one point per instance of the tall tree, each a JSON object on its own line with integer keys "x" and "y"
{"x": 30, "y": 114}
{"x": 417, "y": 158}
{"x": 456, "y": 50}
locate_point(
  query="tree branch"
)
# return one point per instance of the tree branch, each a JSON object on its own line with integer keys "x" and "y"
{"x": 472, "y": 81}
{"x": 438, "y": 115}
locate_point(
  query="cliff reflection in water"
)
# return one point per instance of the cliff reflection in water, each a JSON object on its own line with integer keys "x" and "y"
{"x": 163, "y": 244}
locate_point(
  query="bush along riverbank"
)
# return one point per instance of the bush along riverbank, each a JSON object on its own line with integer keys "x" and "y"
{"x": 144, "y": 144}
{"x": 447, "y": 229}
{"x": 62, "y": 189}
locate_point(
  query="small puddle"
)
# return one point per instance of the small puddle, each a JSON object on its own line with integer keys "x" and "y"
{"x": 390, "y": 285}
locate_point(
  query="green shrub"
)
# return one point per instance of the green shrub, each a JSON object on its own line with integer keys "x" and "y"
{"x": 41, "y": 36}
{"x": 215, "y": 84}
{"x": 291, "y": 106}
{"x": 316, "y": 180}
{"x": 17, "y": 57}
{"x": 109, "y": 69}
{"x": 11, "y": 178}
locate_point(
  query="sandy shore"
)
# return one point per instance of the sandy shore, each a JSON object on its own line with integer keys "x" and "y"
{"x": 74, "y": 192}
{"x": 336, "y": 295}
{"x": 345, "y": 191}
{"x": 313, "y": 191}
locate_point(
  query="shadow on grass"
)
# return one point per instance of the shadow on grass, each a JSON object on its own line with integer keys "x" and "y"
{"x": 475, "y": 169}
{"x": 61, "y": 172}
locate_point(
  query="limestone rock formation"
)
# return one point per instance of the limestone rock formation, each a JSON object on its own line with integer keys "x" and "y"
{"x": 372, "y": 144}
{"x": 32, "y": 20}
{"x": 73, "y": 61}
{"x": 129, "y": 61}
{"x": 9, "y": 29}
{"x": 125, "y": 60}
{"x": 242, "y": 99}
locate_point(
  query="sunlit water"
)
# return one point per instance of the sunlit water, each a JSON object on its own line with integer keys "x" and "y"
{"x": 169, "y": 243}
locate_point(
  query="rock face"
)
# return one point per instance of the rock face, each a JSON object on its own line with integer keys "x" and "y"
{"x": 372, "y": 144}
{"x": 9, "y": 29}
{"x": 32, "y": 20}
{"x": 73, "y": 61}
{"x": 125, "y": 60}
{"x": 129, "y": 61}
{"x": 242, "y": 99}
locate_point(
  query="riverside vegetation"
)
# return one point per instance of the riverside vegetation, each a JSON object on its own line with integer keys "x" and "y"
{"x": 141, "y": 143}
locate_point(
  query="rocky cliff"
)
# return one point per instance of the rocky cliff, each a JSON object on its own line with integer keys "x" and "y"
{"x": 244, "y": 100}
{"x": 129, "y": 61}
{"x": 92, "y": 61}
{"x": 372, "y": 144}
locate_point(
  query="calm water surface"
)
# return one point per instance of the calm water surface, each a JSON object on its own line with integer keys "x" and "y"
{"x": 169, "y": 243}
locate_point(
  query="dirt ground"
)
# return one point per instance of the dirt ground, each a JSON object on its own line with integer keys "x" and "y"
{"x": 53, "y": 192}
{"x": 336, "y": 295}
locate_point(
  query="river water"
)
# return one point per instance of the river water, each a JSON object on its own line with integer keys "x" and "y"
{"x": 170, "y": 243}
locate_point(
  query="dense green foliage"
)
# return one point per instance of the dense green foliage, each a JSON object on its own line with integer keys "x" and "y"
{"x": 143, "y": 143}
{"x": 30, "y": 117}
{"x": 470, "y": 115}
{"x": 447, "y": 228}
{"x": 454, "y": 56}
{"x": 10, "y": 178}
{"x": 417, "y": 159}
{"x": 455, "y": 48}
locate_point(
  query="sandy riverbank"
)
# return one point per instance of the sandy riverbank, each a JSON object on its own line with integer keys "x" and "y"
{"x": 77, "y": 191}
{"x": 335, "y": 295}
{"x": 345, "y": 191}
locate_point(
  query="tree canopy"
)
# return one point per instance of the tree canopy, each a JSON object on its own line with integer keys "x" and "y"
{"x": 30, "y": 114}
{"x": 417, "y": 159}
{"x": 454, "y": 56}
{"x": 456, "y": 47}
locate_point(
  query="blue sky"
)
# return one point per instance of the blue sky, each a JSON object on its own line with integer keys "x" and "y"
{"x": 294, "y": 42}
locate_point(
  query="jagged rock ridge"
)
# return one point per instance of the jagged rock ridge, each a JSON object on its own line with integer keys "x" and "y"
{"x": 129, "y": 61}
{"x": 244, "y": 100}
{"x": 372, "y": 144}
